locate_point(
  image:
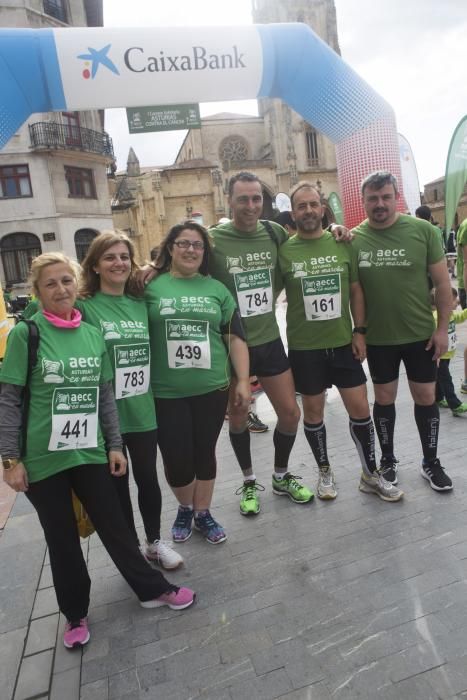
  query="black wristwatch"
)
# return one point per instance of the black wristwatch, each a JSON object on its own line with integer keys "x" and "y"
{"x": 359, "y": 329}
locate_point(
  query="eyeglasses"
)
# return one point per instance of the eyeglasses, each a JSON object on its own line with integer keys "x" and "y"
{"x": 185, "y": 244}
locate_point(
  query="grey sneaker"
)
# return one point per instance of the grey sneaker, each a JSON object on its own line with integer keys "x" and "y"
{"x": 377, "y": 484}
{"x": 326, "y": 488}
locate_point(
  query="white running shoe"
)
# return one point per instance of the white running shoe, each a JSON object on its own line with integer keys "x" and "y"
{"x": 326, "y": 488}
{"x": 376, "y": 483}
{"x": 163, "y": 554}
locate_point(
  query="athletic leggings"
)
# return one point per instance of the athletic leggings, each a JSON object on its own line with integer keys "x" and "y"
{"x": 93, "y": 485}
{"x": 142, "y": 448}
{"x": 188, "y": 431}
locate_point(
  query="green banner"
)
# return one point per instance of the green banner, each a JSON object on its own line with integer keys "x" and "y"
{"x": 336, "y": 207}
{"x": 167, "y": 118}
{"x": 456, "y": 172}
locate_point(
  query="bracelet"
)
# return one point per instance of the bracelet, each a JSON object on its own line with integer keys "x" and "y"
{"x": 359, "y": 329}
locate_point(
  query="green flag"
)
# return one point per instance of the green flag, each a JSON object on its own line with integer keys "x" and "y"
{"x": 456, "y": 172}
{"x": 336, "y": 207}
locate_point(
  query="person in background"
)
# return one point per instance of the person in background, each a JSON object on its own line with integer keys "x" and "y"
{"x": 110, "y": 301}
{"x": 445, "y": 393}
{"x": 285, "y": 219}
{"x": 461, "y": 269}
{"x": 70, "y": 441}
{"x": 195, "y": 332}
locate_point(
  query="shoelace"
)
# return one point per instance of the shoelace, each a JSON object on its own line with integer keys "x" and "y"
{"x": 292, "y": 480}
{"x": 183, "y": 518}
{"x": 326, "y": 477}
{"x": 248, "y": 490}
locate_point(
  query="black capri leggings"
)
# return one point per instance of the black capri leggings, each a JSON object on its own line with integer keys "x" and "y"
{"x": 188, "y": 432}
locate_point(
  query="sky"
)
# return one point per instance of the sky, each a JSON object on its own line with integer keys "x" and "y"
{"x": 412, "y": 52}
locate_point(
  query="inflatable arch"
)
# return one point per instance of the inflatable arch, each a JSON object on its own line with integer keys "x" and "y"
{"x": 92, "y": 68}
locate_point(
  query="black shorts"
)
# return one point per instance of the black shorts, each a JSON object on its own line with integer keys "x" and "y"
{"x": 384, "y": 362}
{"x": 316, "y": 370}
{"x": 268, "y": 359}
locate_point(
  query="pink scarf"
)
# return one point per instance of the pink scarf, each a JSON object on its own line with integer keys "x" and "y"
{"x": 60, "y": 322}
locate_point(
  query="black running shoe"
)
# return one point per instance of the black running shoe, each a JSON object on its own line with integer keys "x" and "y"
{"x": 254, "y": 424}
{"x": 433, "y": 472}
{"x": 388, "y": 468}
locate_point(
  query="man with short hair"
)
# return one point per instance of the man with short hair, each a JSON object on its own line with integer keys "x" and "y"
{"x": 245, "y": 258}
{"x": 322, "y": 287}
{"x": 396, "y": 253}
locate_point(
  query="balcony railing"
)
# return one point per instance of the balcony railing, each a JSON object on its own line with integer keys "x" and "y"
{"x": 55, "y": 136}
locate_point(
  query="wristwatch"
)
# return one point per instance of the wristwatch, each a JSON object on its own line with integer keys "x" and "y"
{"x": 359, "y": 329}
{"x": 9, "y": 463}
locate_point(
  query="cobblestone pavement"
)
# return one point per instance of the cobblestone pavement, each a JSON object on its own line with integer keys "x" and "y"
{"x": 355, "y": 598}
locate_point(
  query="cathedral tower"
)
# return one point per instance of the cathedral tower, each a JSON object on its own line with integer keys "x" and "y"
{"x": 299, "y": 151}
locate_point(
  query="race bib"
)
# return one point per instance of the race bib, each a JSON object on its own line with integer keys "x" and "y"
{"x": 188, "y": 344}
{"x": 452, "y": 336}
{"x": 74, "y": 418}
{"x": 254, "y": 292}
{"x": 322, "y": 297}
{"x": 131, "y": 370}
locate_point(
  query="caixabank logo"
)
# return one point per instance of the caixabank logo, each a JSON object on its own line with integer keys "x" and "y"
{"x": 96, "y": 58}
{"x": 136, "y": 60}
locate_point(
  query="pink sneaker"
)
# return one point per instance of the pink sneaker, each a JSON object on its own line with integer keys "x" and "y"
{"x": 176, "y": 600}
{"x": 76, "y": 633}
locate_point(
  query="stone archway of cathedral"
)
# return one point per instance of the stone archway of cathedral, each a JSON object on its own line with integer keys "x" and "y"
{"x": 46, "y": 70}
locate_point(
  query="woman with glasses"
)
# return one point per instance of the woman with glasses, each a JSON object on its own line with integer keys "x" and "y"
{"x": 195, "y": 332}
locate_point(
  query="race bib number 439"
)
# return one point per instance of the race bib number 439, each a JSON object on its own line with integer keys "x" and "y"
{"x": 322, "y": 297}
{"x": 74, "y": 418}
{"x": 254, "y": 292}
{"x": 188, "y": 344}
{"x": 131, "y": 370}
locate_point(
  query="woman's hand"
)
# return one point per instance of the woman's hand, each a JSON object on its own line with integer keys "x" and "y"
{"x": 242, "y": 395}
{"x": 16, "y": 477}
{"x": 144, "y": 275}
{"x": 117, "y": 463}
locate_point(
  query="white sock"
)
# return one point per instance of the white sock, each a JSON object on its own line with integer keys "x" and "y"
{"x": 279, "y": 475}
{"x": 250, "y": 477}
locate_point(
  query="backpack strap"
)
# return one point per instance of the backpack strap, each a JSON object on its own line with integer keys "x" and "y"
{"x": 33, "y": 350}
{"x": 272, "y": 233}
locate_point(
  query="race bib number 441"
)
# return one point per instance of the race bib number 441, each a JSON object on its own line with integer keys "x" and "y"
{"x": 254, "y": 292}
{"x": 188, "y": 344}
{"x": 74, "y": 418}
{"x": 131, "y": 370}
{"x": 322, "y": 297}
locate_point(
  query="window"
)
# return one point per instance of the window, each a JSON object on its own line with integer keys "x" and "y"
{"x": 15, "y": 181}
{"x": 72, "y": 128}
{"x": 56, "y": 8}
{"x": 18, "y": 250}
{"x": 83, "y": 239}
{"x": 312, "y": 147}
{"x": 233, "y": 149}
{"x": 80, "y": 182}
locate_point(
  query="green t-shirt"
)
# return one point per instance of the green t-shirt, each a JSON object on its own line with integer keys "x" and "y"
{"x": 123, "y": 321}
{"x": 317, "y": 274}
{"x": 188, "y": 354}
{"x": 31, "y": 309}
{"x": 461, "y": 239}
{"x": 63, "y": 428}
{"x": 247, "y": 263}
{"x": 393, "y": 266}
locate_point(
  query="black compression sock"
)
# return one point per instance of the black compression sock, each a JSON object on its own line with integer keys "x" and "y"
{"x": 385, "y": 420}
{"x": 315, "y": 433}
{"x": 427, "y": 419}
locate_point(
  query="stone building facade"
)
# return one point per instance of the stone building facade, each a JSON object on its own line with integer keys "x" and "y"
{"x": 278, "y": 146}
{"x": 53, "y": 171}
{"x": 433, "y": 196}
